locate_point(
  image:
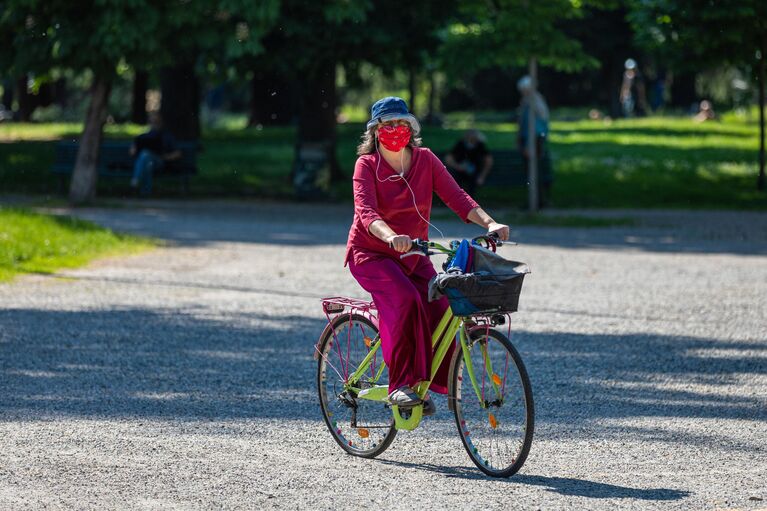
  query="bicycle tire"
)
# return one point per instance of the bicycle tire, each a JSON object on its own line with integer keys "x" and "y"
{"x": 475, "y": 435}
{"x": 335, "y": 420}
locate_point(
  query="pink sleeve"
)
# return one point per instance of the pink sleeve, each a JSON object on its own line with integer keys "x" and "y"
{"x": 449, "y": 191}
{"x": 365, "y": 200}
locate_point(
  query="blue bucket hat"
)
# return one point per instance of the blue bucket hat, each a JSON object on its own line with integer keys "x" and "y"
{"x": 392, "y": 108}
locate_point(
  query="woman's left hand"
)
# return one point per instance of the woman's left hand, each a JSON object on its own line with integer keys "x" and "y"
{"x": 500, "y": 229}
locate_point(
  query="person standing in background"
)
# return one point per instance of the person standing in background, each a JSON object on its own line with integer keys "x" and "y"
{"x": 535, "y": 100}
{"x": 531, "y": 98}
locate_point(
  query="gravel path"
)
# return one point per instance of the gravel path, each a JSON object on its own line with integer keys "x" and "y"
{"x": 182, "y": 378}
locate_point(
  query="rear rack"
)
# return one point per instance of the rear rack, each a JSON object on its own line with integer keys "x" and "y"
{"x": 337, "y": 304}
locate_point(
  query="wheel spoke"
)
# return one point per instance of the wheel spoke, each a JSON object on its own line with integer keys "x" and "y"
{"x": 497, "y": 434}
{"x": 361, "y": 427}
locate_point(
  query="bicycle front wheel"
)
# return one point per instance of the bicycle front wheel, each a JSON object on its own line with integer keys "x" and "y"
{"x": 361, "y": 427}
{"x": 493, "y": 403}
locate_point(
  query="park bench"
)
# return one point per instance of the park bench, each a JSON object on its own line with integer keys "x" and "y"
{"x": 115, "y": 161}
{"x": 509, "y": 168}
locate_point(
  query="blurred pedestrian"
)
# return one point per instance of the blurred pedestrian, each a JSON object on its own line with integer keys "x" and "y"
{"x": 470, "y": 161}
{"x": 531, "y": 98}
{"x": 633, "y": 95}
{"x": 627, "y": 98}
{"x": 705, "y": 112}
{"x": 153, "y": 151}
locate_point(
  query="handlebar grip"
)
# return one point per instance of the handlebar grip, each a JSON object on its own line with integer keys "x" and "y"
{"x": 414, "y": 244}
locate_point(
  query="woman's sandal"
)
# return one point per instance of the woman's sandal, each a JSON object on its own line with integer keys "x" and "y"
{"x": 404, "y": 397}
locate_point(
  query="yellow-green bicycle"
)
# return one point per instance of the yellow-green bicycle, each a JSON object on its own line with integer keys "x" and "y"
{"x": 489, "y": 389}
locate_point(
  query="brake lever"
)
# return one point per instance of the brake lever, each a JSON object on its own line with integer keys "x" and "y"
{"x": 412, "y": 253}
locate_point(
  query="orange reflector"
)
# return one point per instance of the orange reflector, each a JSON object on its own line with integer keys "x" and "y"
{"x": 496, "y": 379}
{"x": 364, "y": 433}
{"x": 493, "y": 422}
{"x": 368, "y": 341}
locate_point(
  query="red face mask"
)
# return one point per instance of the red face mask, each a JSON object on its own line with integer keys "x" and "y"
{"x": 394, "y": 138}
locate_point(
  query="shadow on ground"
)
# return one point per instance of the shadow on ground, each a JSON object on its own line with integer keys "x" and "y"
{"x": 179, "y": 366}
{"x": 562, "y": 485}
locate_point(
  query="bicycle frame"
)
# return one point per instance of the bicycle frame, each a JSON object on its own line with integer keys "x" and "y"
{"x": 443, "y": 336}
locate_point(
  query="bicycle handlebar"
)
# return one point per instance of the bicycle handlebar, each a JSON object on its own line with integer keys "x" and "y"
{"x": 421, "y": 247}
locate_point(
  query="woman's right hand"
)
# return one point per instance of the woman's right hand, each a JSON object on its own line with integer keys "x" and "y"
{"x": 400, "y": 242}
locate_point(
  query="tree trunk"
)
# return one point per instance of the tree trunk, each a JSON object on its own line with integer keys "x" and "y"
{"x": 26, "y": 100}
{"x": 8, "y": 94}
{"x": 432, "y": 96}
{"x": 412, "y": 85}
{"x": 611, "y": 75}
{"x": 272, "y": 99}
{"x": 138, "y": 105}
{"x": 317, "y": 116}
{"x": 760, "y": 179}
{"x": 61, "y": 93}
{"x": 180, "y": 107}
{"x": 683, "y": 93}
{"x": 82, "y": 189}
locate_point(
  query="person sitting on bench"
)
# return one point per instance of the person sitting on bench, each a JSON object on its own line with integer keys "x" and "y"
{"x": 469, "y": 161}
{"x": 153, "y": 150}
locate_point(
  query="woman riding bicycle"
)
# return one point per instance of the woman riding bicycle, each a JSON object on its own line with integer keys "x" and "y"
{"x": 394, "y": 180}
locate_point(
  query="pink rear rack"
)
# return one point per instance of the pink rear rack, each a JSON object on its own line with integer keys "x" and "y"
{"x": 335, "y": 304}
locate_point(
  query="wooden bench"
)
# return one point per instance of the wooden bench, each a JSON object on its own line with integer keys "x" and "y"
{"x": 115, "y": 161}
{"x": 509, "y": 170}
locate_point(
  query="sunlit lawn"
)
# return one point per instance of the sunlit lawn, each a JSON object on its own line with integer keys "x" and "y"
{"x": 651, "y": 162}
{"x": 37, "y": 243}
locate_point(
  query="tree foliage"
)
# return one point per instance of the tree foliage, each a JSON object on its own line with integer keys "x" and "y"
{"x": 700, "y": 34}
{"x": 507, "y": 33}
{"x": 100, "y": 36}
{"x": 708, "y": 34}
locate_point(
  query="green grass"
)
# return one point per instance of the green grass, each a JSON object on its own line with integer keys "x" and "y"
{"x": 32, "y": 242}
{"x": 659, "y": 162}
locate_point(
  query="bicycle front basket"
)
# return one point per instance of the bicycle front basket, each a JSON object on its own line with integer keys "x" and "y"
{"x": 493, "y": 286}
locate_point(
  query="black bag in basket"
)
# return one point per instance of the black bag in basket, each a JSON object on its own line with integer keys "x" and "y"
{"x": 492, "y": 284}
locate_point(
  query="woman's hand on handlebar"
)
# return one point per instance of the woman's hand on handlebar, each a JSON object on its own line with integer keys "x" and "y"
{"x": 499, "y": 229}
{"x": 400, "y": 242}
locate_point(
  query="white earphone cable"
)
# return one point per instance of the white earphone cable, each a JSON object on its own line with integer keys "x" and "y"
{"x": 402, "y": 177}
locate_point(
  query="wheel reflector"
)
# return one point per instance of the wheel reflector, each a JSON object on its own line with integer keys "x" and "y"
{"x": 493, "y": 421}
{"x": 364, "y": 433}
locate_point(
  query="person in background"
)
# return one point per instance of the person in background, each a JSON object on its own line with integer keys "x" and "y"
{"x": 705, "y": 112}
{"x": 633, "y": 96}
{"x": 535, "y": 100}
{"x": 540, "y": 111}
{"x": 469, "y": 161}
{"x": 153, "y": 151}
{"x": 628, "y": 101}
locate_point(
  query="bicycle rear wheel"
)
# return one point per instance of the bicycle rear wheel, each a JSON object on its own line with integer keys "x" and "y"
{"x": 496, "y": 419}
{"x": 361, "y": 427}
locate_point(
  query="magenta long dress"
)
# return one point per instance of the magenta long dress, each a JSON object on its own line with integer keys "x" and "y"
{"x": 399, "y": 286}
